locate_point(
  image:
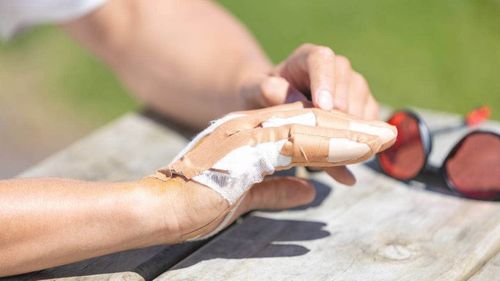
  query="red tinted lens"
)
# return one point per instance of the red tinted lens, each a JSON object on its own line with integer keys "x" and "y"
{"x": 406, "y": 157}
{"x": 474, "y": 167}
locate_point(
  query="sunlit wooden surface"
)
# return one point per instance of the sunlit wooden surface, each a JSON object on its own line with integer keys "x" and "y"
{"x": 381, "y": 229}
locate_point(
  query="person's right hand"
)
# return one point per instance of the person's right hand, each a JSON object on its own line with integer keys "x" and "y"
{"x": 220, "y": 174}
{"x": 316, "y": 72}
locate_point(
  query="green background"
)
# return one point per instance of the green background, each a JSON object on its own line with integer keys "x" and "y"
{"x": 443, "y": 55}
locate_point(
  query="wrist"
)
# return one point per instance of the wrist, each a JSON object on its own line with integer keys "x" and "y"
{"x": 181, "y": 210}
{"x": 155, "y": 211}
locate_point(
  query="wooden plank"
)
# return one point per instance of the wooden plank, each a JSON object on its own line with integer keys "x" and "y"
{"x": 490, "y": 271}
{"x": 134, "y": 145}
{"x": 381, "y": 229}
{"x": 124, "y": 276}
{"x": 129, "y": 148}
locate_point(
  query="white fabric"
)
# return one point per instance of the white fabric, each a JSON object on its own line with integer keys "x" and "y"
{"x": 18, "y": 14}
{"x": 237, "y": 171}
{"x": 242, "y": 168}
{"x": 308, "y": 119}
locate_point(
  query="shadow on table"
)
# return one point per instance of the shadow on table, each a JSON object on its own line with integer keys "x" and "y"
{"x": 254, "y": 238}
{"x": 260, "y": 237}
{"x": 429, "y": 179}
{"x": 147, "y": 262}
{"x": 322, "y": 190}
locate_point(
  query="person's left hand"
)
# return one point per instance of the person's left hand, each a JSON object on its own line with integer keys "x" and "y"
{"x": 221, "y": 173}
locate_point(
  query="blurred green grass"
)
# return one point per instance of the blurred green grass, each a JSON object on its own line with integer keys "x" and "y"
{"x": 442, "y": 55}
{"x": 63, "y": 72}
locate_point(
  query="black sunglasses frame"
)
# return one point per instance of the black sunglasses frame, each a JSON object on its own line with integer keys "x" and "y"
{"x": 426, "y": 137}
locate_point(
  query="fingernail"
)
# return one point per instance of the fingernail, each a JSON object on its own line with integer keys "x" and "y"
{"x": 325, "y": 100}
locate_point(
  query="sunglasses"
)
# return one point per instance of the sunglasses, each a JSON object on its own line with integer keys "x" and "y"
{"x": 471, "y": 169}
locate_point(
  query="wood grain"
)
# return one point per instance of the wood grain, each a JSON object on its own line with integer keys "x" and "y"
{"x": 129, "y": 148}
{"x": 381, "y": 229}
{"x": 490, "y": 271}
{"x": 123, "y": 276}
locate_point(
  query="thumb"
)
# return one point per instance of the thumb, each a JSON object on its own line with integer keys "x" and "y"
{"x": 280, "y": 193}
{"x": 276, "y": 90}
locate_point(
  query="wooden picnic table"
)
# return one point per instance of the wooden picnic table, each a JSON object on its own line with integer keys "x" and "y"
{"x": 381, "y": 229}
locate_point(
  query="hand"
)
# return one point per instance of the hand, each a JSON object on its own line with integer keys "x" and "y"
{"x": 219, "y": 175}
{"x": 317, "y": 72}
{"x": 174, "y": 63}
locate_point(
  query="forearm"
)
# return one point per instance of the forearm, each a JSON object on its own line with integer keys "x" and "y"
{"x": 48, "y": 222}
{"x": 199, "y": 52}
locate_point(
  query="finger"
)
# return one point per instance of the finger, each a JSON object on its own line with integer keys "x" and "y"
{"x": 323, "y": 147}
{"x": 264, "y": 127}
{"x": 341, "y": 174}
{"x": 372, "y": 109}
{"x": 320, "y": 65}
{"x": 276, "y": 91}
{"x": 273, "y": 193}
{"x": 230, "y": 136}
{"x": 343, "y": 72}
{"x": 358, "y": 95}
{"x": 319, "y": 118}
{"x": 279, "y": 193}
{"x": 341, "y": 121}
{"x": 312, "y": 68}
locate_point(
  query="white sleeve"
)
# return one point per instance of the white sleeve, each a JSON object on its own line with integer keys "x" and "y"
{"x": 19, "y": 14}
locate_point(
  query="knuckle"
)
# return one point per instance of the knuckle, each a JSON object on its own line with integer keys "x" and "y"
{"x": 361, "y": 83}
{"x": 324, "y": 51}
{"x": 306, "y": 46}
{"x": 320, "y": 53}
{"x": 264, "y": 88}
{"x": 342, "y": 62}
{"x": 267, "y": 85}
{"x": 359, "y": 78}
{"x": 273, "y": 89}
